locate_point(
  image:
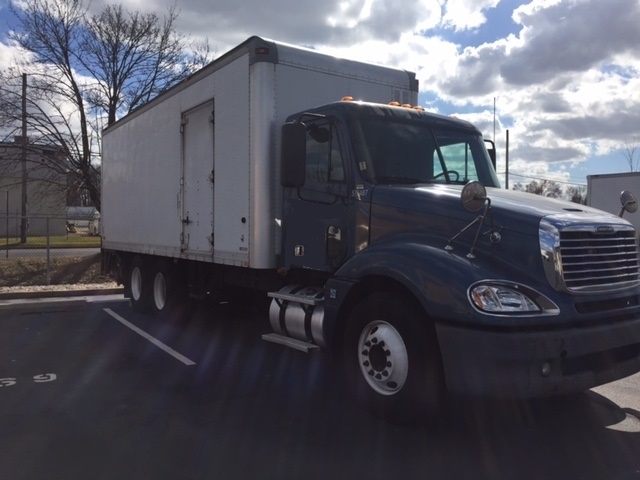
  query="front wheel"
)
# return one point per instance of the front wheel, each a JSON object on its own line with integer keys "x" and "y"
{"x": 393, "y": 364}
{"x": 383, "y": 357}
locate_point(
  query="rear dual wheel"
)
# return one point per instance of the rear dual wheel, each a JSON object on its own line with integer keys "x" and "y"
{"x": 152, "y": 285}
{"x": 139, "y": 285}
{"x": 165, "y": 289}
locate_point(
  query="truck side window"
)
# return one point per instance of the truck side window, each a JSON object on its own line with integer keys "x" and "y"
{"x": 438, "y": 171}
{"x": 459, "y": 158}
{"x": 324, "y": 163}
{"x": 324, "y": 160}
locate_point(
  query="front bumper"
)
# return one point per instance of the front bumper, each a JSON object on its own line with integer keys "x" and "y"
{"x": 528, "y": 364}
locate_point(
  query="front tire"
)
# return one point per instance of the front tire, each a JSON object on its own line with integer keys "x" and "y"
{"x": 392, "y": 360}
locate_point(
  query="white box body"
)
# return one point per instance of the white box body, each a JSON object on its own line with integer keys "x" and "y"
{"x": 194, "y": 173}
{"x": 603, "y": 192}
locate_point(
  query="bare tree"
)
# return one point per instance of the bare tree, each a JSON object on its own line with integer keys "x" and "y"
{"x": 49, "y": 32}
{"x": 552, "y": 189}
{"x": 629, "y": 152}
{"x": 577, "y": 194}
{"x": 83, "y": 69}
{"x": 546, "y": 188}
{"x": 53, "y": 136}
{"x": 133, "y": 57}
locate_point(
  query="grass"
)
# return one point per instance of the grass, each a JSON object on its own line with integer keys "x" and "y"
{"x": 62, "y": 271}
{"x": 62, "y": 241}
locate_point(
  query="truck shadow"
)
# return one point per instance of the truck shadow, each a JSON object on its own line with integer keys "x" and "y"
{"x": 580, "y": 436}
{"x": 247, "y": 391}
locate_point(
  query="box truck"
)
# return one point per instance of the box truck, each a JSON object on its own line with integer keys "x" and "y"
{"x": 378, "y": 230}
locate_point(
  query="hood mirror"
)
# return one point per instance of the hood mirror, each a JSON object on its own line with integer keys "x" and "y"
{"x": 473, "y": 196}
{"x": 628, "y": 202}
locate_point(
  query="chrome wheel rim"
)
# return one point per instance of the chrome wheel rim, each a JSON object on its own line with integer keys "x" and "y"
{"x": 136, "y": 283}
{"x": 159, "y": 291}
{"x": 383, "y": 358}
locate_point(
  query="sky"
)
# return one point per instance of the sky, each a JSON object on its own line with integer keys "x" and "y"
{"x": 561, "y": 76}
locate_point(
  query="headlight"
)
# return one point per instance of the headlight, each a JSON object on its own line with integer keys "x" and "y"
{"x": 501, "y": 299}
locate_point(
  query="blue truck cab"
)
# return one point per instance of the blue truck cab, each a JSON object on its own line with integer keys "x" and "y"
{"x": 406, "y": 260}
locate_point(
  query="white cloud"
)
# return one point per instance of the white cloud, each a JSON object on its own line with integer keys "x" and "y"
{"x": 571, "y": 36}
{"x": 567, "y": 85}
{"x": 466, "y": 14}
{"x": 332, "y": 22}
{"x": 6, "y": 55}
{"x": 566, "y": 80}
{"x": 350, "y": 14}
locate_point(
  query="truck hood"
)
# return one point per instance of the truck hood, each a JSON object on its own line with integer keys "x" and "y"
{"x": 511, "y": 210}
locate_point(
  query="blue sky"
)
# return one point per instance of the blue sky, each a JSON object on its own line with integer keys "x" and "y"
{"x": 499, "y": 24}
{"x": 564, "y": 74}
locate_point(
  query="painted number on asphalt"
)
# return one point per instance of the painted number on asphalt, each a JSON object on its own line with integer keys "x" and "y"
{"x": 7, "y": 382}
{"x": 42, "y": 378}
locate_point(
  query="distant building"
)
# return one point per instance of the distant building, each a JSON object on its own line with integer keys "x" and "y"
{"x": 46, "y": 189}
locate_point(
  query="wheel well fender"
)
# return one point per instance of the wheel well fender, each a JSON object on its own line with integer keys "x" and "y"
{"x": 336, "y": 326}
{"x": 436, "y": 279}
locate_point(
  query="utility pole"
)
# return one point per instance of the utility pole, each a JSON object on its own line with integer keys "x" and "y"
{"x": 494, "y": 119}
{"x": 506, "y": 179}
{"x": 23, "y": 220}
{"x": 7, "y": 226}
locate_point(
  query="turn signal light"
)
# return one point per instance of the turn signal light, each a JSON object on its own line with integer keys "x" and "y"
{"x": 349, "y": 98}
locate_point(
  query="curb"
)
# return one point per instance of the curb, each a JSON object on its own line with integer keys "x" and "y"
{"x": 60, "y": 293}
{"x": 42, "y": 305}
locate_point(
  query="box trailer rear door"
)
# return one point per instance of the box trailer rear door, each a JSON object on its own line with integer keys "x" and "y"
{"x": 198, "y": 174}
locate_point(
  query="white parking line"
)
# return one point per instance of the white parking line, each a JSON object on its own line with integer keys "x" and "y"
{"x": 151, "y": 339}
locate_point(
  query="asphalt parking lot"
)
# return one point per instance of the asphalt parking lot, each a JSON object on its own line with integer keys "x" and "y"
{"x": 88, "y": 389}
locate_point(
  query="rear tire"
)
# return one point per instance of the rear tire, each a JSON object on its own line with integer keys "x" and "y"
{"x": 139, "y": 285}
{"x": 165, "y": 290}
{"x": 392, "y": 360}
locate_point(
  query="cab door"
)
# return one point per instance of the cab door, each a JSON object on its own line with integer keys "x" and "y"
{"x": 318, "y": 216}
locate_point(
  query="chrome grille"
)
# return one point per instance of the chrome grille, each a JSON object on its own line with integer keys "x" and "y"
{"x": 593, "y": 261}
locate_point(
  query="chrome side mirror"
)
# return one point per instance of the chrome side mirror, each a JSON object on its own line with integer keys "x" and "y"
{"x": 628, "y": 203}
{"x": 473, "y": 196}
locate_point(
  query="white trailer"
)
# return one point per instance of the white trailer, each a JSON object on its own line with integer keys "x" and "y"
{"x": 193, "y": 174}
{"x": 603, "y": 192}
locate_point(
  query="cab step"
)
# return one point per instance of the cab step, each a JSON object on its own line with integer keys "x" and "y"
{"x": 304, "y": 296}
{"x": 300, "y": 345}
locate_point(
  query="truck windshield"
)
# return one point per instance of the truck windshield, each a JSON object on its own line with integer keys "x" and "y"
{"x": 395, "y": 150}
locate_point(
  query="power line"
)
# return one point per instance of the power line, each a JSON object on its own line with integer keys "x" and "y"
{"x": 548, "y": 179}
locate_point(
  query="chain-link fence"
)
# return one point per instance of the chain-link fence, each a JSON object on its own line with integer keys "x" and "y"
{"x": 44, "y": 250}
